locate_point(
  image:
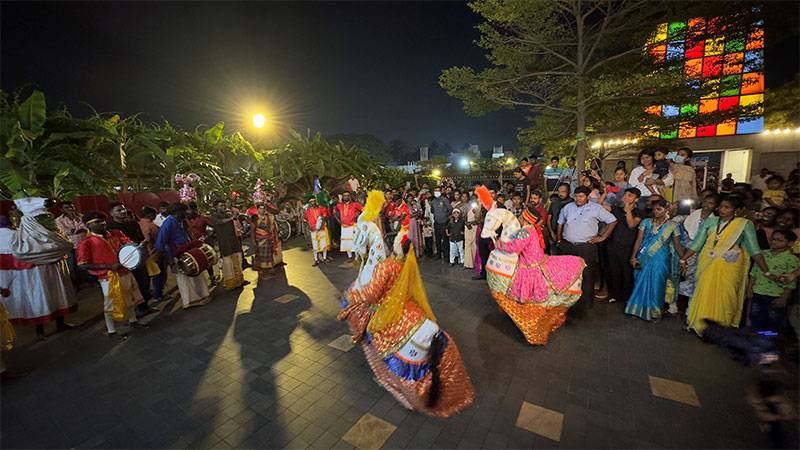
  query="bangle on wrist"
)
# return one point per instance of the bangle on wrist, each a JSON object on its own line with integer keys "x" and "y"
{"x": 767, "y": 273}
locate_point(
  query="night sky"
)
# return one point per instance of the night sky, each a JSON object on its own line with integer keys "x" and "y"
{"x": 332, "y": 67}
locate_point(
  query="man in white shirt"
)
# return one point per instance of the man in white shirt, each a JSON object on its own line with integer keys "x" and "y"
{"x": 759, "y": 180}
{"x": 162, "y": 216}
{"x": 353, "y": 183}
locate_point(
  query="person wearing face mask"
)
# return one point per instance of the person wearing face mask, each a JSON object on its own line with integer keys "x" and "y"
{"x": 346, "y": 213}
{"x": 684, "y": 186}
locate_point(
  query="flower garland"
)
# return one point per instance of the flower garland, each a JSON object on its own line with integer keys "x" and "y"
{"x": 259, "y": 196}
{"x": 187, "y": 192}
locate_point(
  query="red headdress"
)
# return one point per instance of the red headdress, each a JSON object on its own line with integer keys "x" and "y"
{"x": 485, "y": 197}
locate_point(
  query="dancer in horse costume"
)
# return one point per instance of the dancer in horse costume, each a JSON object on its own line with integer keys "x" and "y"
{"x": 534, "y": 289}
{"x": 411, "y": 357}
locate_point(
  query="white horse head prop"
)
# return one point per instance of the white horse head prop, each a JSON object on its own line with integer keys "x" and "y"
{"x": 500, "y": 266}
{"x": 497, "y": 217}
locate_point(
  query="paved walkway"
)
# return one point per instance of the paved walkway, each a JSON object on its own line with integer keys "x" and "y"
{"x": 264, "y": 367}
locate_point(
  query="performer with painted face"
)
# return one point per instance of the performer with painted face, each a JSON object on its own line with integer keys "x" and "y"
{"x": 388, "y": 312}
{"x": 534, "y": 289}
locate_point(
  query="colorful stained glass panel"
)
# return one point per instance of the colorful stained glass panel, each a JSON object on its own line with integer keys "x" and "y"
{"x": 735, "y": 43}
{"x": 727, "y": 64}
{"x": 730, "y": 85}
{"x": 728, "y": 102}
{"x": 754, "y": 61}
{"x": 687, "y": 131}
{"x": 715, "y": 46}
{"x": 675, "y": 51}
{"x": 747, "y": 126}
{"x": 732, "y": 63}
{"x": 752, "y": 83}
{"x": 677, "y": 30}
{"x": 712, "y": 66}
{"x": 707, "y": 130}
{"x": 727, "y": 128}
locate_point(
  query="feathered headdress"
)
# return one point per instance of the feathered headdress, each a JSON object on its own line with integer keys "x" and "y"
{"x": 485, "y": 197}
{"x": 375, "y": 201}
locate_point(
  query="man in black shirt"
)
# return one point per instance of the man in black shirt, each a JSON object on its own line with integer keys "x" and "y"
{"x": 523, "y": 185}
{"x": 555, "y": 209}
{"x": 131, "y": 229}
{"x": 619, "y": 273}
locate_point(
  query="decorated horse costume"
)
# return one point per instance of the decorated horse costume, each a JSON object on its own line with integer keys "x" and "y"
{"x": 534, "y": 289}
{"x": 389, "y": 316}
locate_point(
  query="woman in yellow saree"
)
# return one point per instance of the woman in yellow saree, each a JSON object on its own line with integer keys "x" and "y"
{"x": 724, "y": 246}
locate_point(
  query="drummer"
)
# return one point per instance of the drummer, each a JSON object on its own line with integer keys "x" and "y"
{"x": 121, "y": 221}
{"x": 97, "y": 253}
{"x": 173, "y": 233}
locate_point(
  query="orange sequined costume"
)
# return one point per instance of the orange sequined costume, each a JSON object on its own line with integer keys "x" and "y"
{"x": 411, "y": 357}
{"x": 541, "y": 289}
{"x": 359, "y": 304}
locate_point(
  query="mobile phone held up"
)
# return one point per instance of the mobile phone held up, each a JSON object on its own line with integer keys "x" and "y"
{"x": 685, "y": 207}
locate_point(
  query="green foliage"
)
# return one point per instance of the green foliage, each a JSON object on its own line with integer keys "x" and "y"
{"x": 782, "y": 106}
{"x": 578, "y": 66}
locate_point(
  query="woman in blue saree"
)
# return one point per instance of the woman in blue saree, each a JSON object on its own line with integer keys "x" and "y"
{"x": 657, "y": 253}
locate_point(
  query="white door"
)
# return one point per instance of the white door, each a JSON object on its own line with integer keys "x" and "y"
{"x": 736, "y": 162}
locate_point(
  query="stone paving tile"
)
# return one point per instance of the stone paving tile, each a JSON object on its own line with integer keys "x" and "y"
{"x": 245, "y": 371}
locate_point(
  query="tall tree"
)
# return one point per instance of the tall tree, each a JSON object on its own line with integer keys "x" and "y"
{"x": 576, "y": 64}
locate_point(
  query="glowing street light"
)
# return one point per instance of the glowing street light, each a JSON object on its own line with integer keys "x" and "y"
{"x": 464, "y": 162}
{"x": 510, "y": 160}
{"x": 787, "y": 131}
{"x": 436, "y": 173}
{"x": 259, "y": 120}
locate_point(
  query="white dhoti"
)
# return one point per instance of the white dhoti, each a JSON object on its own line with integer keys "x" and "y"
{"x": 232, "y": 276}
{"x": 193, "y": 290}
{"x": 319, "y": 240}
{"x": 346, "y": 242}
{"x": 130, "y": 292}
{"x": 39, "y": 295}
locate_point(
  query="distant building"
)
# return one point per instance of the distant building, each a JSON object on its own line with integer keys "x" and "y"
{"x": 474, "y": 149}
{"x": 410, "y": 168}
{"x": 497, "y": 152}
{"x": 423, "y": 153}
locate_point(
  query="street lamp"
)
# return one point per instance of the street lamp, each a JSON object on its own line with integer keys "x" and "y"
{"x": 464, "y": 162}
{"x": 259, "y": 120}
{"x": 436, "y": 173}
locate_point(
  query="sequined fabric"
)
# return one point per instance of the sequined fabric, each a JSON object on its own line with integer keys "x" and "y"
{"x": 536, "y": 322}
{"x": 456, "y": 392}
{"x": 395, "y": 336}
{"x": 361, "y": 304}
{"x": 537, "y": 274}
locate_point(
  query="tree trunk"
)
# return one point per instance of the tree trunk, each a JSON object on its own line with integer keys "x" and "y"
{"x": 580, "y": 122}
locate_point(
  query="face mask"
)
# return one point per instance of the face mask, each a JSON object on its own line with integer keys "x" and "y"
{"x": 679, "y": 159}
{"x": 437, "y": 194}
